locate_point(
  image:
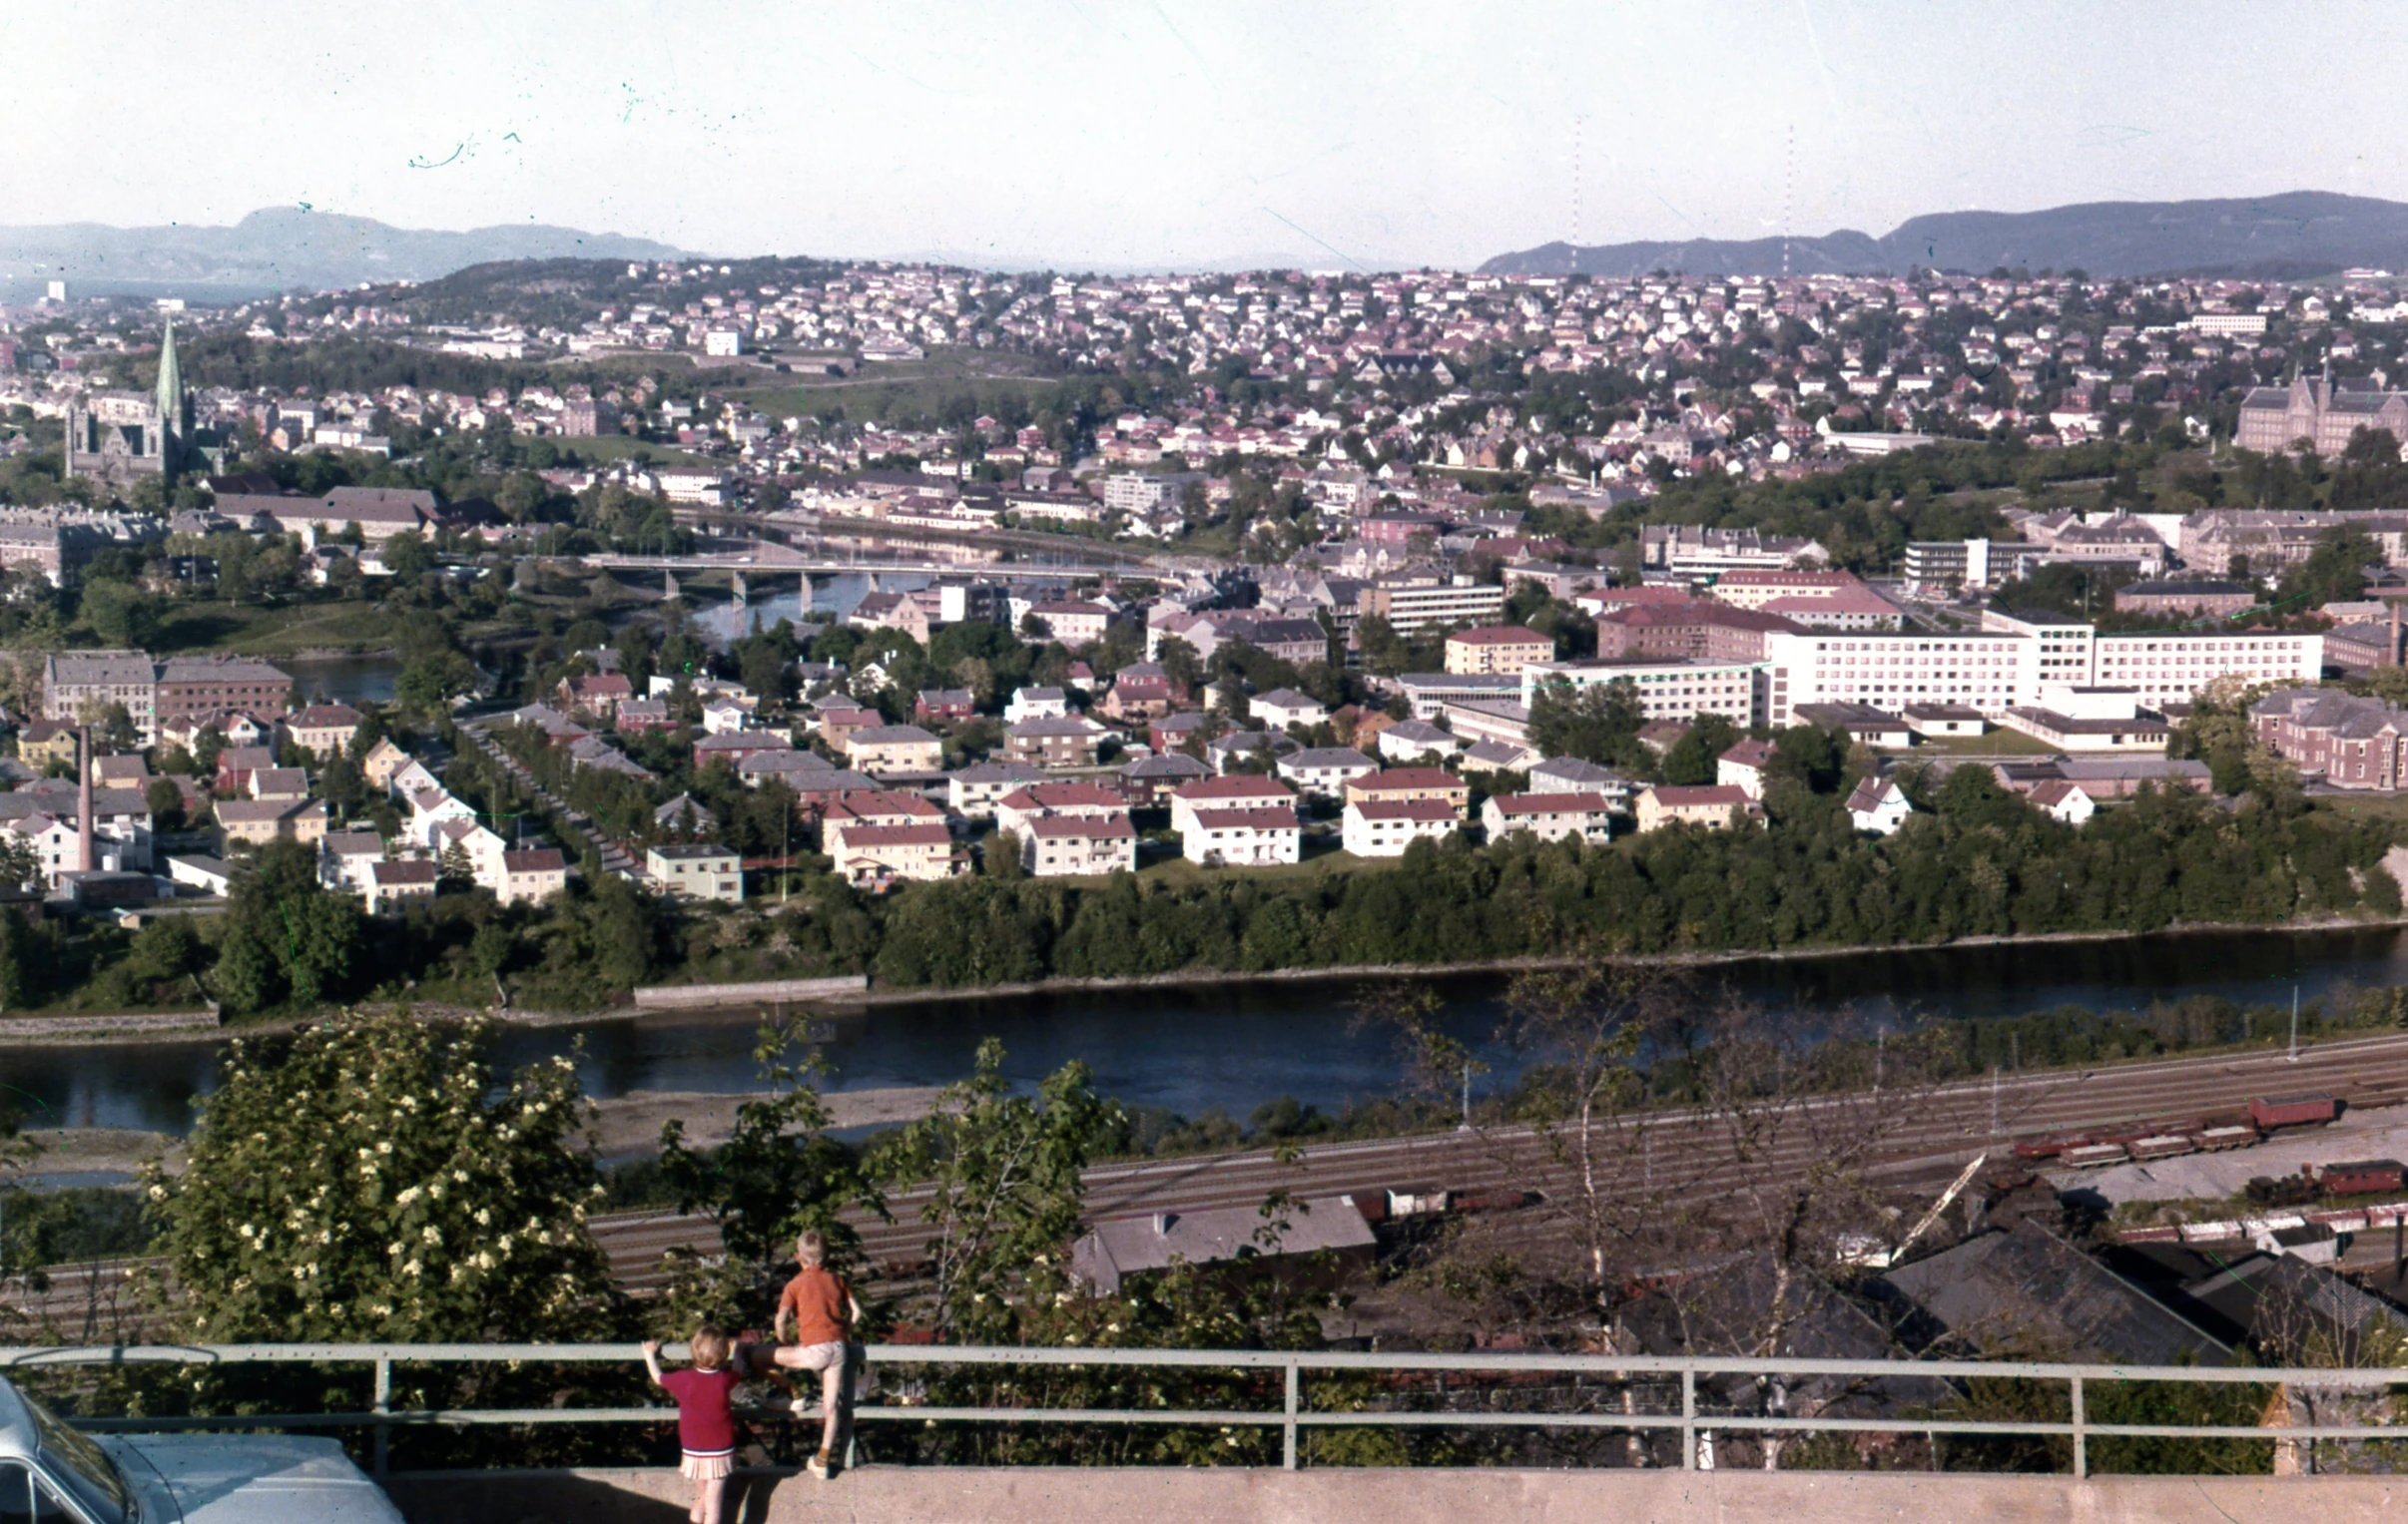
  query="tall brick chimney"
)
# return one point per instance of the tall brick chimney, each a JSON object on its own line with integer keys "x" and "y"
{"x": 83, "y": 799}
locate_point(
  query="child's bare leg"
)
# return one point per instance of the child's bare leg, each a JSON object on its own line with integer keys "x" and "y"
{"x": 831, "y": 1386}
{"x": 708, "y": 1500}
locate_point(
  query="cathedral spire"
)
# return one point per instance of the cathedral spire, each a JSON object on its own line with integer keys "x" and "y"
{"x": 171, "y": 384}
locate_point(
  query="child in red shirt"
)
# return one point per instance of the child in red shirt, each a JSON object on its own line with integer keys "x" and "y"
{"x": 706, "y": 1430}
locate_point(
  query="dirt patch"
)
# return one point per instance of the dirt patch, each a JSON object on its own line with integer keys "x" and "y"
{"x": 631, "y": 1124}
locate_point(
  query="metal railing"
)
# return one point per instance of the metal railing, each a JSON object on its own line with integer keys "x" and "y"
{"x": 1292, "y": 1417}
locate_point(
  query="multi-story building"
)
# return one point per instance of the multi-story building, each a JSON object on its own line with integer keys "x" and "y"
{"x": 2008, "y": 661}
{"x": 1060, "y": 741}
{"x": 2184, "y": 597}
{"x": 1497, "y": 649}
{"x": 1417, "y": 784}
{"x": 1069, "y": 846}
{"x": 881, "y": 748}
{"x": 2274, "y": 418}
{"x": 1688, "y": 550}
{"x": 197, "y": 686}
{"x": 1677, "y": 691}
{"x": 1548, "y": 816}
{"x": 1386, "y": 828}
{"x": 532, "y": 876}
{"x": 78, "y": 685}
{"x": 1690, "y": 627}
{"x": 1713, "y": 805}
{"x": 1410, "y": 605}
{"x": 1256, "y": 837}
{"x": 697, "y": 870}
{"x": 1325, "y": 769}
{"x": 2351, "y": 743}
{"x": 2270, "y": 540}
{"x": 1429, "y": 693}
{"x": 1238, "y": 791}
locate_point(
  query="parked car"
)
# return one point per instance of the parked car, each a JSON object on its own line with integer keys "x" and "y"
{"x": 57, "y": 1474}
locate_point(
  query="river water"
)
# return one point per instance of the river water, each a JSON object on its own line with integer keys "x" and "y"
{"x": 1235, "y": 1046}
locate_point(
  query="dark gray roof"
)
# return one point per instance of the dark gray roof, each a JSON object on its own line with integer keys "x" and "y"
{"x": 2028, "y": 1293}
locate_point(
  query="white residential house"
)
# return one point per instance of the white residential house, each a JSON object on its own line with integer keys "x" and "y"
{"x": 1385, "y": 828}
{"x": 348, "y": 857}
{"x": 486, "y": 850}
{"x": 1878, "y": 804}
{"x": 1744, "y": 765}
{"x": 1036, "y": 704}
{"x": 392, "y": 883}
{"x": 1325, "y": 769}
{"x": 1059, "y": 845}
{"x": 412, "y": 778}
{"x": 1410, "y": 740}
{"x": 1018, "y": 809}
{"x": 429, "y": 808}
{"x": 1255, "y": 838}
{"x": 1548, "y": 816}
{"x": 1284, "y": 706}
{"x": 1237, "y": 791}
{"x": 2065, "y": 801}
{"x": 724, "y": 716}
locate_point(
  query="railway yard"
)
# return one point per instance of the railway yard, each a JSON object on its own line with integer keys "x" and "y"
{"x": 1511, "y": 1175}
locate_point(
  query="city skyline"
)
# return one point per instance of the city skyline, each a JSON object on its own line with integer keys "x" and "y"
{"x": 1145, "y": 135}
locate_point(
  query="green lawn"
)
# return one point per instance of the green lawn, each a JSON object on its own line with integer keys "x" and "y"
{"x": 2368, "y": 807}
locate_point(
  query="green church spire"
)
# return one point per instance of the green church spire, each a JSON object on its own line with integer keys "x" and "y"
{"x": 171, "y": 385}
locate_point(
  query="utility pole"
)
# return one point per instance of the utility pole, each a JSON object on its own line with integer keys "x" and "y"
{"x": 2294, "y": 1058}
{"x": 1467, "y": 1126}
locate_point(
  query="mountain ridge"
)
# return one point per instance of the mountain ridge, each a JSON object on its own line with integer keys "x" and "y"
{"x": 287, "y": 248}
{"x": 2286, "y": 237}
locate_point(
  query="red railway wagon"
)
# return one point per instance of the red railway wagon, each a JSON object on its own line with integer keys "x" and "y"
{"x": 2270, "y": 1112}
{"x": 2362, "y": 1176}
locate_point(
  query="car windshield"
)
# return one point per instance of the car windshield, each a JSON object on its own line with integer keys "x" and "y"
{"x": 81, "y": 1464}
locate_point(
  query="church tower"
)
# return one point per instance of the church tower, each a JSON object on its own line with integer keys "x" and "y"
{"x": 175, "y": 409}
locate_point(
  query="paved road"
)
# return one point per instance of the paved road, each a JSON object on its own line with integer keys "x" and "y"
{"x": 1672, "y": 1153}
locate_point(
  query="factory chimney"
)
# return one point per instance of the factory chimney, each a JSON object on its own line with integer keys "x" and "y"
{"x": 83, "y": 799}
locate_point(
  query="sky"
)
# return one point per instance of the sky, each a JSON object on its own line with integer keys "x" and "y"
{"x": 1127, "y": 134}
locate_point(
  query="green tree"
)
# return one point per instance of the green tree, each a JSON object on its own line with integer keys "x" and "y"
{"x": 1693, "y": 759}
{"x": 454, "y": 873}
{"x": 407, "y": 555}
{"x": 778, "y": 1174}
{"x": 1598, "y": 723}
{"x": 362, "y": 1180}
{"x": 287, "y": 938}
{"x": 1001, "y": 1171}
{"x": 430, "y": 685}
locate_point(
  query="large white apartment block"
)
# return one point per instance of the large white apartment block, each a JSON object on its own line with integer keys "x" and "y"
{"x": 2170, "y": 668}
{"x": 2005, "y": 662}
{"x": 1666, "y": 689}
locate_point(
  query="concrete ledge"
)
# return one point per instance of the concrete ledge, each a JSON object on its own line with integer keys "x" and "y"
{"x": 678, "y": 997}
{"x": 907, "y": 1495}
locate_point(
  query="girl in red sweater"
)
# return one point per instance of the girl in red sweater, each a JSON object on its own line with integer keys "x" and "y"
{"x": 706, "y": 1430}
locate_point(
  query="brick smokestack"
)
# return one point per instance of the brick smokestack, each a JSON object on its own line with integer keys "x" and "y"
{"x": 83, "y": 799}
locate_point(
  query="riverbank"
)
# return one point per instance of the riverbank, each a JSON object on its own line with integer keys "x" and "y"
{"x": 1359, "y": 971}
{"x": 624, "y": 1127}
{"x": 846, "y": 995}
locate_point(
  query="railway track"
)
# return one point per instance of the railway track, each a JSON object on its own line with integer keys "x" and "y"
{"x": 1667, "y": 1152}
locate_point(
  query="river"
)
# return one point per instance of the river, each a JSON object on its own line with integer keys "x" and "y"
{"x": 1235, "y": 1046}
{"x": 830, "y": 598}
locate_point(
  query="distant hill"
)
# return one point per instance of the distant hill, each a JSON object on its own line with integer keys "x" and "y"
{"x": 2287, "y": 236}
{"x": 284, "y": 248}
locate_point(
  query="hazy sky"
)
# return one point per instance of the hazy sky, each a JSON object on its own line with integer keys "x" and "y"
{"x": 1116, "y": 133}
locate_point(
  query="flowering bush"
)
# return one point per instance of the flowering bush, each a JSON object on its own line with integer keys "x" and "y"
{"x": 363, "y": 1182}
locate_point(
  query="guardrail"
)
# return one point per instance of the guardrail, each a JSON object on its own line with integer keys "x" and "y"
{"x": 1292, "y": 1417}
